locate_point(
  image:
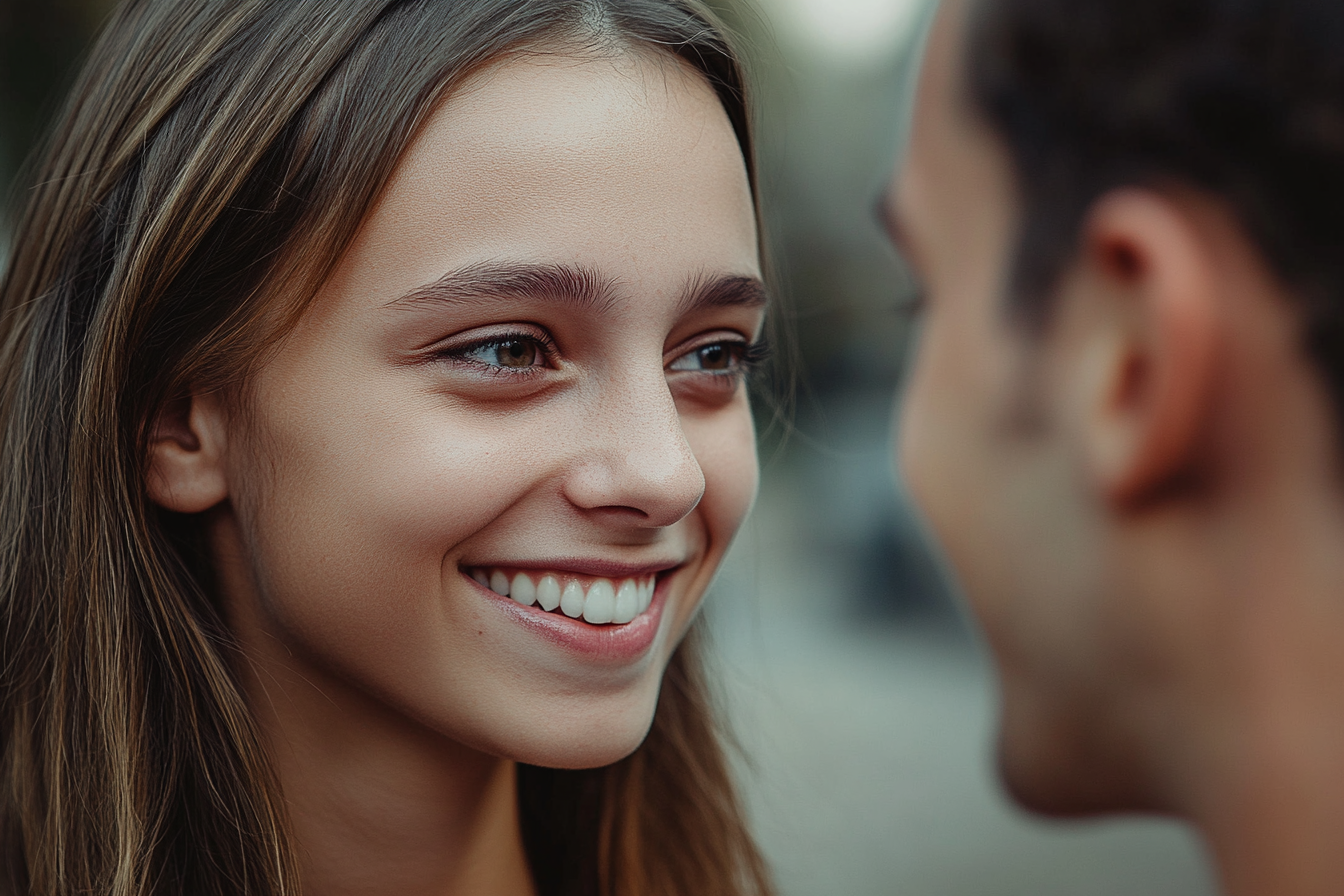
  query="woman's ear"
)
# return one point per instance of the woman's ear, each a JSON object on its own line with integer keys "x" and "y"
{"x": 186, "y": 455}
{"x": 1146, "y": 260}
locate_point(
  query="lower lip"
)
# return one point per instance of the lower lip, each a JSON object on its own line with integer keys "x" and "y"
{"x": 601, "y": 643}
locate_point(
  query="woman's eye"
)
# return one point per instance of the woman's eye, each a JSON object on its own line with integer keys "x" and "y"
{"x": 717, "y": 357}
{"x": 509, "y": 353}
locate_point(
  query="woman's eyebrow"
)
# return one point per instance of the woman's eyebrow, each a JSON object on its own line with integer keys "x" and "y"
{"x": 574, "y": 285}
{"x": 493, "y": 281}
{"x": 724, "y": 292}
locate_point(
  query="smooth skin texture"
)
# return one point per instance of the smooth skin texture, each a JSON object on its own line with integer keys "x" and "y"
{"x": 1141, "y": 503}
{"x": 522, "y": 361}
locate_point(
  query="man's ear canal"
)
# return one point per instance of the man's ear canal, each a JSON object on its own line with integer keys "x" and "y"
{"x": 186, "y": 455}
{"x": 1145, "y": 257}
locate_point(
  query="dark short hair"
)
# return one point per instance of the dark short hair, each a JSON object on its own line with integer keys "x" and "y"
{"x": 1240, "y": 98}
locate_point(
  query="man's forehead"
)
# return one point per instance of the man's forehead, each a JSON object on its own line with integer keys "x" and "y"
{"x": 942, "y": 103}
{"x": 941, "y": 127}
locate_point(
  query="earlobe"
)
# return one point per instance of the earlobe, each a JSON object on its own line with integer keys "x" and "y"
{"x": 1146, "y": 255}
{"x": 186, "y": 455}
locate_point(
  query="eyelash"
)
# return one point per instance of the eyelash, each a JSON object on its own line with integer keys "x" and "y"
{"x": 460, "y": 354}
{"x": 750, "y": 355}
{"x": 914, "y": 300}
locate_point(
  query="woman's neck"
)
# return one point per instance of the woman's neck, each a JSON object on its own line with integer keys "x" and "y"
{"x": 381, "y": 805}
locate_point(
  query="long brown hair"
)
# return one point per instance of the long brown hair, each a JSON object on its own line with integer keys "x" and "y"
{"x": 214, "y": 161}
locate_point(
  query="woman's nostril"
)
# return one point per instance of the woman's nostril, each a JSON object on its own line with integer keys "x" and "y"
{"x": 657, "y": 482}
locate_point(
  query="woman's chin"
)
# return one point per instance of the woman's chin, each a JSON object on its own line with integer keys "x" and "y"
{"x": 581, "y": 743}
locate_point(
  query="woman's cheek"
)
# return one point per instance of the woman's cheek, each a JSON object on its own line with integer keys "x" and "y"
{"x": 725, "y": 445}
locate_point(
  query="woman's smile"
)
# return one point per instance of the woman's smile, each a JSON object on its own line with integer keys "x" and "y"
{"x": 381, "y": 492}
{"x": 596, "y": 600}
{"x": 609, "y": 619}
{"x": 488, "y": 476}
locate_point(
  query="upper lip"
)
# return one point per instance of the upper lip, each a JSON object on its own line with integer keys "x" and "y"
{"x": 610, "y": 569}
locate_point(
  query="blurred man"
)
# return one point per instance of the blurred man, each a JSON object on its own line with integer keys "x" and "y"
{"x": 1124, "y": 418}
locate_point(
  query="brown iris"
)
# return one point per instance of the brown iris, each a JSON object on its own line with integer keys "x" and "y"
{"x": 516, "y": 353}
{"x": 715, "y": 357}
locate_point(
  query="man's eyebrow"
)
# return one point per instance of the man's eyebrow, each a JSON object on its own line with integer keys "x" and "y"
{"x": 895, "y": 227}
{"x": 495, "y": 281}
{"x": 723, "y": 292}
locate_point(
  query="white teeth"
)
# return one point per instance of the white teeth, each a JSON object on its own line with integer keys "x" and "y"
{"x": 605, "y": 601}
{"x": 571, "y": 600}
{"x": 600, "y": 607}
{"x": 627, "y": 602}
{"x": 523, "y": 591}
{"x": 548, "y": 593}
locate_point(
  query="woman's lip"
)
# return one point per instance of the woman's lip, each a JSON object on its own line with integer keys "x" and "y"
{"x": 606, "y": 569}
{"x": 616, "y": 644}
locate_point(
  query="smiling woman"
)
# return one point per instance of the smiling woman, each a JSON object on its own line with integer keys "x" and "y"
{"x": 372, "y": 381}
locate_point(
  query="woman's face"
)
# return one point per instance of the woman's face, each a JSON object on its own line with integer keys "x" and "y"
{"x": 524, "y": 377}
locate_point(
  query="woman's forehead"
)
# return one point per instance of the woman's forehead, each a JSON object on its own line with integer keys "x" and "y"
{"x": 548, "y": 108}
{"x": 617, "y": 164}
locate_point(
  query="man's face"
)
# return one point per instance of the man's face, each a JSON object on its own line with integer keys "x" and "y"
{"x": 981, "y": 448}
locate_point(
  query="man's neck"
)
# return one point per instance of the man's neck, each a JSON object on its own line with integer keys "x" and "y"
{"x": 1263, "y": 774}
{"x": 1273, "y": 817}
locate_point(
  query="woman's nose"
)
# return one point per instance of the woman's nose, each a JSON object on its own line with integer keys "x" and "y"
{"x": 636, "y": 462}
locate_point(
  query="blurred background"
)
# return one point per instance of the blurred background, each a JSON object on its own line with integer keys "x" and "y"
{"x": 861, "y": 696}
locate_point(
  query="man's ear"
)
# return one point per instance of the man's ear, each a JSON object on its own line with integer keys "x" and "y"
{"x": 186, "y": 455}
{"x": 1151, "y": 376}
